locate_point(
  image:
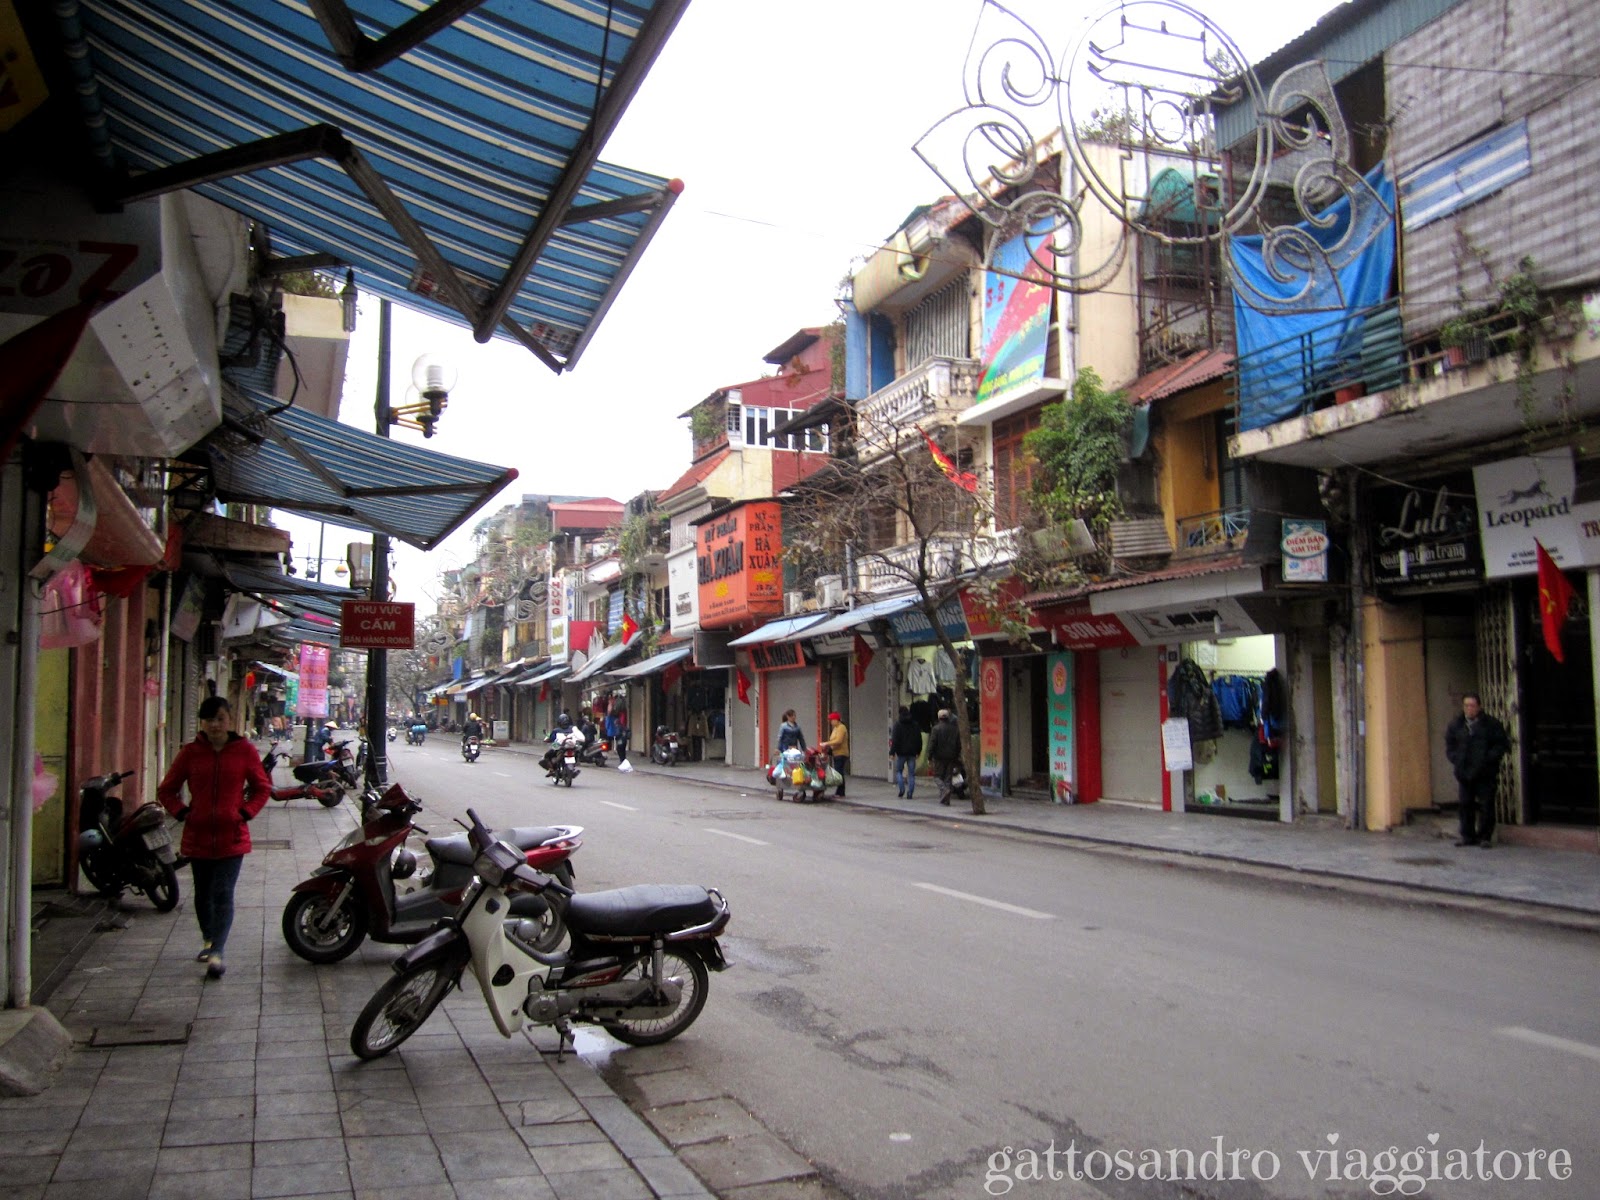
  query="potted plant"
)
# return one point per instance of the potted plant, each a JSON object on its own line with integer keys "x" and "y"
{"x": 1464, "y": 342}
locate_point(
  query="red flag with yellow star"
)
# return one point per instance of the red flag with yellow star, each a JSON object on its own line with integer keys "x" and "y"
{"x": 629, "y": 626}
{"x": 1555, "y": 598}
{"x": 965, "y": 480}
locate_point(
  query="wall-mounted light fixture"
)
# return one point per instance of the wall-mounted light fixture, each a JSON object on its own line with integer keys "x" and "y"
{"x": 347, "y": 301}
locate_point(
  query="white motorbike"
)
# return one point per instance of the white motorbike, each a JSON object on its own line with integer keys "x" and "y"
{"x": 562, "y": 760}
{"x": 636, "y": 965}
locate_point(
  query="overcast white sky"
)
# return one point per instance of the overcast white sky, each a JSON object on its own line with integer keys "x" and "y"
{"x": 792, "y": 128}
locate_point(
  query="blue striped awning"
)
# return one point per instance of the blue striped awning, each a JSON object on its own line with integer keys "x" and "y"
{"x": 1465, "y": 175}
{"x": 284, "y": 457}
{"x": 447, "y": 152}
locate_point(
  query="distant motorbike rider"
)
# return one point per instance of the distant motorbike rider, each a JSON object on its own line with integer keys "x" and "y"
{"x": 472, "y": 729}
{"x": 556, "y": 737}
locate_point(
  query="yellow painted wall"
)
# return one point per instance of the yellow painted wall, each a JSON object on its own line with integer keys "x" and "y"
{"x": 50, "y": 740}
{"x": 1187, "y": 452}
{"x": 1398, "y": 773}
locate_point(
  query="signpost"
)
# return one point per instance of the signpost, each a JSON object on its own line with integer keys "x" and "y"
{"x": 378, "y": 625}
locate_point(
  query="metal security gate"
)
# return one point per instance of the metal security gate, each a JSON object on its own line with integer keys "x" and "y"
{"x": 1498, "y": 687}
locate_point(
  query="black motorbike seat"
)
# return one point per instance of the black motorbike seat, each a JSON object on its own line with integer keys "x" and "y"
{"x": 456, "y": 849}
{"x": 643, "y": 908}
{"x": 312, "y": 771}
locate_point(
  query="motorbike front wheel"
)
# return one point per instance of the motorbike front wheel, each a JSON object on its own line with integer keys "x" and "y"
{"x": 99, "y": 875}
{"x": 344, "y": 932}
{"x": 399, "y": 1007}
{"x": 690, "y": 972}
{"x": 162, "y": 888}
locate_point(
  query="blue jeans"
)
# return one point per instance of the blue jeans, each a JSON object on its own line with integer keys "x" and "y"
{"x": 905, "y": 774}
{"x": 214, "y": 880}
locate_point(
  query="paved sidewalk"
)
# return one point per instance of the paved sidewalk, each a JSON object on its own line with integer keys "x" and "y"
{"x": 1558, "y": 884}
{"x": 246, "y": 1087}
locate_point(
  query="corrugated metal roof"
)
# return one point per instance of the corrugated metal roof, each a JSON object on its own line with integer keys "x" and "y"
{"x": 461, "y": 176}
{"x": 1200, "y": 367}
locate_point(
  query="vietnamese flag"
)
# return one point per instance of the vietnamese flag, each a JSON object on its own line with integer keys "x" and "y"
{"x": 962, "y": 479}
{"x": 863, "y": 659}
{"x": 629, "y": 627}
{"x": 741, "y": 681}
{"x": 1555, "y": 598}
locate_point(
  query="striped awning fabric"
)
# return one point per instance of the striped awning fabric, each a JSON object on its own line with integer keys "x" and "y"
{"x": 447, "y": 152}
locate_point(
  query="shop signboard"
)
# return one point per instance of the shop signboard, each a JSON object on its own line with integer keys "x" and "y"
{"x": 1426, "y": 534}
{"x": 738, "y": 572}
{"x": 991, "y": 726}
{"x": 1074, "y": 627}
{"x": 1525, "y": 499}
{"x": 377, "y": 625}
{"x": 1305, "y": 551}
{"x": 313, "y": 695}
{"x": 558, "y": 613}
{"x": 1190, "y": 621}
{"x": 1016, "y": 320}
{"x": 912, "y": 627}
{"x": 1176, "y": 750}
{"x": 1058, "y": 694}
{"x": 777, "y": 656}
{"x": 684, "y": 589}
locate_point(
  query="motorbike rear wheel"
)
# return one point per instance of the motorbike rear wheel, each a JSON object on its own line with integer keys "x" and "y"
{"x": 330, "y": 797}
{"x": 399, "y": 1007}
{"x": 689, "y": 971}
{"x": 162, "y": 888}
{"x": 300, "y": 917}
{"x": 552, "y": 925}
{"x": 99, "y": 876}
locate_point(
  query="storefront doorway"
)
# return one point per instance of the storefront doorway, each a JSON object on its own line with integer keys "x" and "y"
{"x": 1558, "y": 726}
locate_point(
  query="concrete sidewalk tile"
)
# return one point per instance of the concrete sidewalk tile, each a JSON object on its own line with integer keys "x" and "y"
{"x": 134, "y": 1186}
{"x": 543, "y": 1112}
{"x": 303, "y": 1079}
{"x": 209, "y": 1132}
{"x": 582, "y": 1156}
{"x": 114, "y": 1137}
{"x": 567, "y": 1133}
{"x": 380, "y": 1119}
{"x": 743, "y": 1161}
{"x": 394, "y": 1162}
{"x": 179, "y": 1160}
{"x": 214, "y": 1108}
{"x": 25, "y": 1142}
{"x": 228, "y": 1068}
{"x": 25, "y": 1170}
{"x": 219, "y": 1051}
{"x": 580, "y": 1077}
{"x": 703, "y": 1121}
{"x": 673, "y": 1087}
{"x": 514, "y": 1187}
{"x": 294, "y": 1127}
{"x": 210, "y": 1085}
{"x": 286, "y": 1104}
{"x": 622, "y": 1183}
{"x": 96, "y": 1164}
{"x": 484, "y": 1155}
{"x": 16, "y": 1120}
{"x": 671, "y": 1180}
{"x": 446, "y": 1118}
{"x": 301, "y": 1179}
{"x": 315, "y": 1149}
{"x": 625, "y": 1129}
{"x": 61, "y": 1096}
{"x": 229, "y": 1184}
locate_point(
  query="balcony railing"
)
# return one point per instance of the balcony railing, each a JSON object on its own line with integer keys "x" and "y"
{"x": 936, "y": 388}
{"x": 895, "y": 569}
{"x": 1223, "y": 529}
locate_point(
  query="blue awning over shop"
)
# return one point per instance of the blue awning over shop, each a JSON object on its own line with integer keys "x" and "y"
{"x": 306, "y": 464}
{"x": 451, "y": 159}
{"x": 780, "y": 630}
{"x": 548, "y": 675}
{"x": 651, "y": 666}
{"x": 853, "y": 618}
{"x": 607, "y": 656}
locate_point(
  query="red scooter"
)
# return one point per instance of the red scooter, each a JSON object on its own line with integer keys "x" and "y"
{"x": 352, "y": 895}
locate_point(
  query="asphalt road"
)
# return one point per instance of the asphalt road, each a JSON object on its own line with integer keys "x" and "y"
{"x": 922, "y": 1009}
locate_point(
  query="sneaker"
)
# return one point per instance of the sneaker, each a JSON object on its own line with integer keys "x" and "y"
{"x": 205, "y": 953}
{"x": 900, "y": 795}
{"x": 215, "y": 967}
{"x": 1466, "y": 841}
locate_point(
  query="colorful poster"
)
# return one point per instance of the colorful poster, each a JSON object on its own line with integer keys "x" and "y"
{"x": 1058, "y": 697}
{"x": 1016, "y": 321}
{"x": 313, "y": 697}
{"x": 991, "y": 726}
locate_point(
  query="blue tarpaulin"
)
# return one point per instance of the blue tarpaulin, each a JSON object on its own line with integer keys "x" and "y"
{"x": 1295, "y": 341}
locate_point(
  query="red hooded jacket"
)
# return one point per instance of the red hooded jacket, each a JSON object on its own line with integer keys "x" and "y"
{"x": 227, "y": 787}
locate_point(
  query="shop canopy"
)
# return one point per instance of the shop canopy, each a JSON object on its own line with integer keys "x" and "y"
{"x": 607, "y": 656}
{"x": 779, "y": 630}
{"x": 652, "y": 666}
{"x": 545, "y": 676}
{"x": 853, "y": 618}
{"x": 302, "y": 463}
{"x": 451, "y": 158}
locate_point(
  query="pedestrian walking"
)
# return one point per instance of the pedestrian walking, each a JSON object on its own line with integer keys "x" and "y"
{"x": 838, "y": 745}
{"x": 789, "y": 735}
{"x": 905, "y": 743}
{"x": 618, "y": 713}
{"x": 227, "y": 787}
{"x": 1475, "y": 742}
{"x": 944, "y": 751}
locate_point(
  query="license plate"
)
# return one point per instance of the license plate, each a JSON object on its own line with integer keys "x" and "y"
{"x": 154, "y": 839}
{"x": 572, "y": 758}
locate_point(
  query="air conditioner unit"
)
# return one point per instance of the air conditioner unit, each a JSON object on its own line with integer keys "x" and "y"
{"x": 793, "y": 602}
{"x": 830, "y": 591}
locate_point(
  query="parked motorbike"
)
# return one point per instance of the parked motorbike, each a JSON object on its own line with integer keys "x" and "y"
{"x": 115, "y": 854}
{"x": 593, "y": 752}
{"x": 637, "y": 964}
{"x": 664, "y": 749}
{"x": 321, "y": 785}
{"x": 471, "y": 747}
{"x": 352, "y": 895}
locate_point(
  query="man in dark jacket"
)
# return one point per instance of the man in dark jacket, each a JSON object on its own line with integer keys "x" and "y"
{"x": 1475, "y": 743}
{"x": 227, "y": 787}
{"x": 905, "y": 743}
{"x": 944, "y": 751}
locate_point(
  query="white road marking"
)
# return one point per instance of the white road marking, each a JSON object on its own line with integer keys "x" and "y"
{"x": 1000, "y": 904}
{"x": 739, "y": 836}
{"x": 623, "y": 807}
{"x": 1550, "y": 1041}
{"x": 503, "y": 774}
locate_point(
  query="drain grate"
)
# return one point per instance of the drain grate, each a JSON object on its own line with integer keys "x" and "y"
{"x": 170, "y": 1033}
{"x": 269, "y": 843}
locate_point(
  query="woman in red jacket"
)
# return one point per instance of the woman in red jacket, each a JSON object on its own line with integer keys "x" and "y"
{"x": 227, "y": 787}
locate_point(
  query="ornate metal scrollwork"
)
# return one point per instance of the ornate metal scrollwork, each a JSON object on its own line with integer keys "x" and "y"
{"x": 1149, "y": 77}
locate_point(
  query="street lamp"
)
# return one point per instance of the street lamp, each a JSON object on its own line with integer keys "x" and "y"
{"x": 432, "y": 380}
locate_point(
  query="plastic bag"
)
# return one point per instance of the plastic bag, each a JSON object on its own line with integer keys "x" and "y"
{"x": 797, "y": 776}
{"x": 833, "y": 779}
{"x": 625, "y": 767}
